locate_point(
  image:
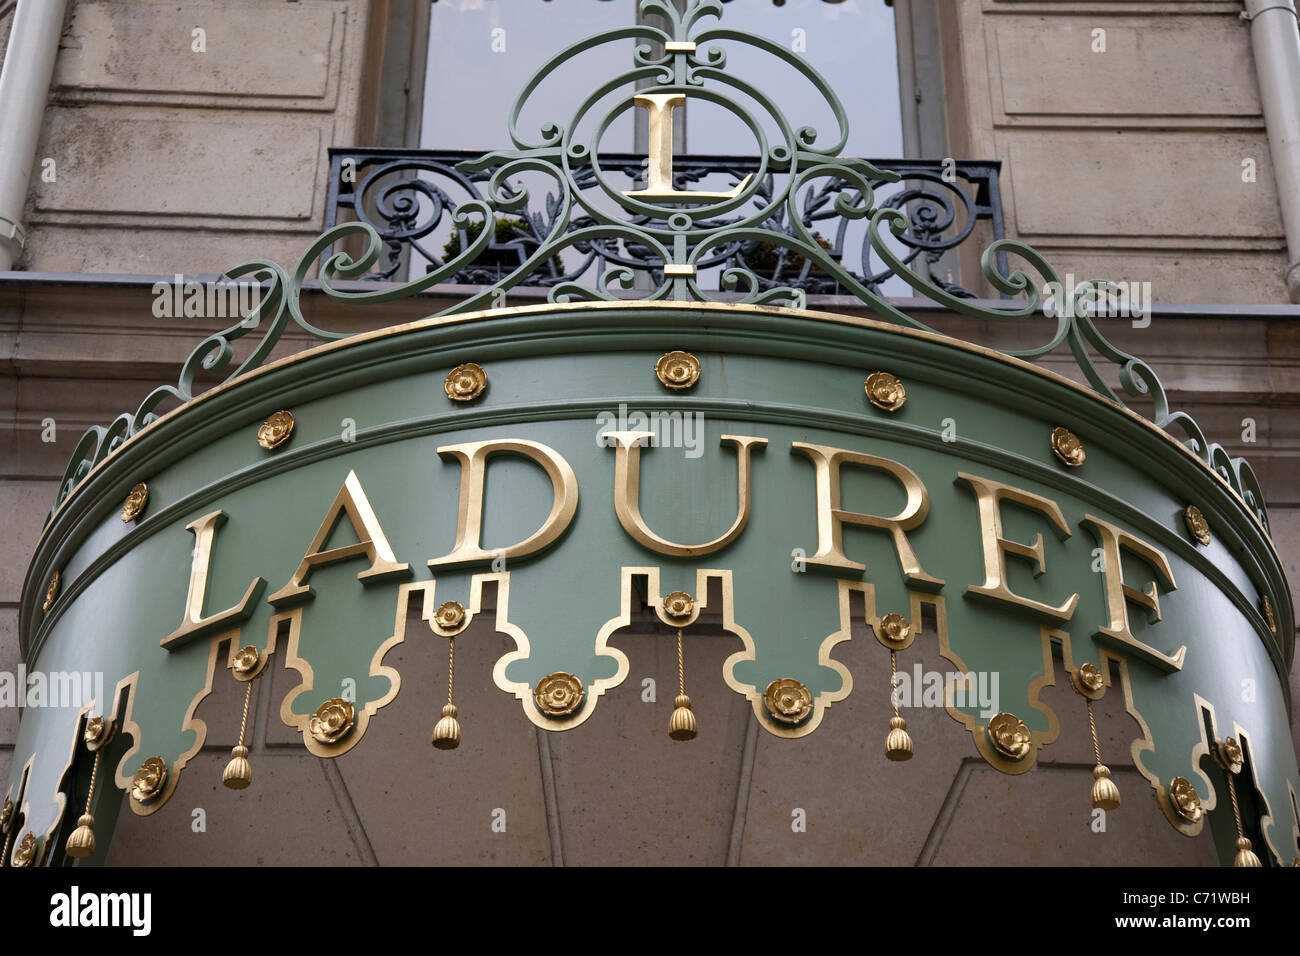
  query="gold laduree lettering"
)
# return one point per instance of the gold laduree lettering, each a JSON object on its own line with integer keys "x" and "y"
{"x": 194, "y": 625}
{"x": 350, "y": 503}
{"x": 831, "y": 518}
{"x": 1113, "y": 539}
{"x": 627, "y": 494}
{"x": 989, "y": 495}
{"x": 473, "y": 458}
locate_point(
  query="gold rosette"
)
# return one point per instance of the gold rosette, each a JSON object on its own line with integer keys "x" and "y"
{"x": 450, "y": 616}
{"x": 332, "y": 721}
{"x": 894, "y": 631}
{"x": 678, "y": 605}
{"x": 148, "y": 781}
{"x": 1196, "y": 524}
{"x": 138, "y": 497}
{"x": 788, "y": 700}
{"x": 25, "y": 852}
{"x": 558, "y": 694}
{"x": 1229, "y": 756}
{"x": 51, "y": 591}
{"x": 98, "y": 733}
{"x": 1010, "y": 736}
{"x": 275, "y": 431}
{"x": 1067, "y": 447}
{"x": 246, "y": 661}
{"x": 465, "y": 382}
{"x": 678, "y": 369}
{"x": 885, "y": 391}
{"x": 1185, "y": 799}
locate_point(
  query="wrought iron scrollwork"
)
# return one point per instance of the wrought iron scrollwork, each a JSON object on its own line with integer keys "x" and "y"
{"x": 408, "y": 195}
{"x": 780, "y": 229}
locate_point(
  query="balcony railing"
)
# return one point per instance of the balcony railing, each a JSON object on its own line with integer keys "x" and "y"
{"x": 409, "y": 195}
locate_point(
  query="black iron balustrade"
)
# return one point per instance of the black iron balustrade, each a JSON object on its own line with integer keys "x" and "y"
{"x": 408, "y": 196}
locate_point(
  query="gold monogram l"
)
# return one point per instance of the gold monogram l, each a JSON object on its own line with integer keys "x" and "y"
{"x": 660, "y": 108}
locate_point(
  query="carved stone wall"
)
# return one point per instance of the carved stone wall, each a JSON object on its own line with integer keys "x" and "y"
{"x": 180, "y": 151}
{"x": 1123, "y": 128}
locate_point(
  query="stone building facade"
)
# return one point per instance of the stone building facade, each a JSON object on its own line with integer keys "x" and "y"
{"x": 1148, "y": 160}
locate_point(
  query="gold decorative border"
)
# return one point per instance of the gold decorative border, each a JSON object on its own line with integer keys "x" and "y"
{"x": 131, "y": 685}
{"x": 823, "y": 700}
{"x": 521, "y": 689}
{"x": 1147, "y": 744}
{"x": 1038, "y": 738}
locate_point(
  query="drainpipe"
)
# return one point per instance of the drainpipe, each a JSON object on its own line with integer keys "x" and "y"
{"x": 1275, "y": 40}
{"x": 24, "y": 88}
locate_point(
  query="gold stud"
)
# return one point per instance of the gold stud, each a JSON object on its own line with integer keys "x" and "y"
{"x": 1067, "y": 447}
{"x": 451, "y": 617}
{"x": 1009, "y": 735}
{"x": 25, "y": 852}
{"x": 1228, "y": 755}
{"x": 51, "y": 591}
{"x": 332, "y": 720}
{"x": 1090, "y": 678}
{"x": 98, "y": 733}
{"x": 558, "y": 694}
{"x": 898, "y": 743}
{"x": 885, "y": 391}
{"x": 1185, "y": 800}
{"x": 246, "y": 662}
{"x": 894, "y": 631}
{"x": 678, "y": 369}
{"x": 133, "y": 507}
{"x": 788, "y": 701}
{"x": 465, "y": 382}
{"x": 1266, "y": 606}
{"x": 275, "y": 431}
{"x": 148, "y": 781}
{"x": 1196, "y": 524}
{"x": 678, "y": 604}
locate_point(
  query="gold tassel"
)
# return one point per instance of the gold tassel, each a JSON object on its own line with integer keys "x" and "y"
{"x": 682, "y": 726}
{"x": 446, "y": 733}
{"x": 898, "y": 743}
{"x": 239, "y": 773}
{"x": 81, "y": 843}
{"x": 1105, "y": 795}
{"x": 1245, "y": 855}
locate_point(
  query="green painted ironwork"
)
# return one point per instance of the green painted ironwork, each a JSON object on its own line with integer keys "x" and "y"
{"x": 682, "y": 235}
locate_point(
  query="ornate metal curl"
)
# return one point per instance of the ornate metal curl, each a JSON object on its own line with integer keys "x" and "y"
{"x": 762, "y": 240}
